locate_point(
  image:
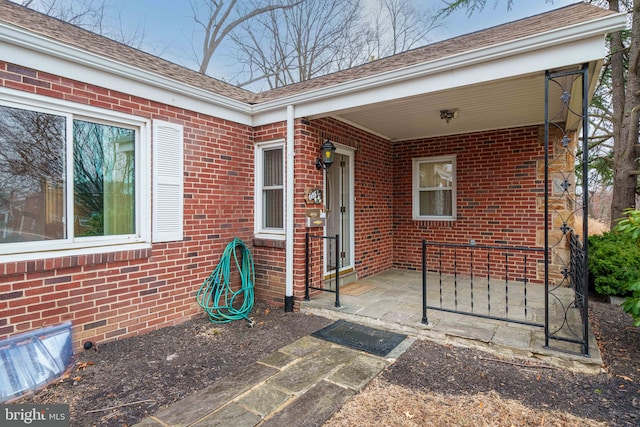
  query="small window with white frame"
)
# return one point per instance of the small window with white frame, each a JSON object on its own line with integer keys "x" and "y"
{"x": 434, "y": 188}
{"x": 269, "y": 194}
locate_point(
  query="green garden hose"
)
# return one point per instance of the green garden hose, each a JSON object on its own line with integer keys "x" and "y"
{"x": 222, "y": 303}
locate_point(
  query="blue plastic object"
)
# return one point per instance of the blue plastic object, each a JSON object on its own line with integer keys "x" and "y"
{"x": 31, "y": 360}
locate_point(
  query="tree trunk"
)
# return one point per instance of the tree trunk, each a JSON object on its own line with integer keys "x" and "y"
{"x": 625, "y": 115}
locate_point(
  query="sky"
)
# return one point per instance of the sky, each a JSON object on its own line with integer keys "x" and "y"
{"x": 168, "y": 25}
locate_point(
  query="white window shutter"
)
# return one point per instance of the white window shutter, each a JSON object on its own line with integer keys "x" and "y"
{"x": 168, "y": 181}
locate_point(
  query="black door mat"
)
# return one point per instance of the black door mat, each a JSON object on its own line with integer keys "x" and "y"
{"x": 360, "y": 337}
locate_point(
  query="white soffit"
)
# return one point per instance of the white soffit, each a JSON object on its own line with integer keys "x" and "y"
{"x": 491, "y": 105}
{"x": 575, "y": 44}
{"x": 444, "y": 77}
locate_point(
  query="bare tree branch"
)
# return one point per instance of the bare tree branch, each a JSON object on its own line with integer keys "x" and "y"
{"x": 220, "y": 19}
{"x": 319, "y": 37}
{"x": 400, "y": 26}
{"x": 92, "y": 15}
{"x": 299, "y": 43}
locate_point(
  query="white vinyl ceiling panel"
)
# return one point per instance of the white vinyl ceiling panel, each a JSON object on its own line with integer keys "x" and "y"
{"x": 494, "y": 105}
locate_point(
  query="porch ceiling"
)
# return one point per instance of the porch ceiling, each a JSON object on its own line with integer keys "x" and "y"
{"x": 490, "y": 105}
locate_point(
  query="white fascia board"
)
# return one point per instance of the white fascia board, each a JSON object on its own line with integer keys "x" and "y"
{"x": 562, "y": 47}
{"x": 40, "y": 53}
{"x": 447, "y": 78}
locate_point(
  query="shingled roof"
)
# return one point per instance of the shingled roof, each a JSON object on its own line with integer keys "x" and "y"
{"x": 75, "y": 36}
{"x": 537, "y": 24}
{"x": 71, "y": 35}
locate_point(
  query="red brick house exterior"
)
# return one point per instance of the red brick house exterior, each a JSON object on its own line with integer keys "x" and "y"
{"x": 119, "y": 290}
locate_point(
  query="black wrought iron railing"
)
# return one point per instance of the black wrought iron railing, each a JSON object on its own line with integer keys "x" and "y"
{"x": 578, "y": 272}
{"x": 576, "y": 277}
{"x": 566, "y": 128}
{"x": 491, "y": 282}
{"x": 314, "y": 277}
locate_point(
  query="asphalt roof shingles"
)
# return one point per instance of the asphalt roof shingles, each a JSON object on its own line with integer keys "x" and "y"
{"x": 71, "y": 35}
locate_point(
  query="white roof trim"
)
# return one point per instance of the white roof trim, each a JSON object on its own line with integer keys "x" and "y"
{"x": 34, "y": 51}
{"x": 266, "y": 111}
{"x": 38, "y": 52}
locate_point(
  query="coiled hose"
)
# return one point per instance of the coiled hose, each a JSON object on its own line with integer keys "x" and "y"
{"x": 216, "y": 296}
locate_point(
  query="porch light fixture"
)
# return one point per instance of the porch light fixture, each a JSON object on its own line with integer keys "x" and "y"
{"x": 447, "y": 115}
{"x": 327, "y": 150}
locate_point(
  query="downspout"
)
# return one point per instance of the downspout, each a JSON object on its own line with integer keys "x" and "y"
{"x": 289, "y": 208}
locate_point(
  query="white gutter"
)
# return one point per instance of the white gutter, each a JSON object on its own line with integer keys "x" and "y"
{"x": 576, "y": 32}
{"x": 289, "y": 208}
{"x": 42, "y": 53}
{"x": 51, "y": 54}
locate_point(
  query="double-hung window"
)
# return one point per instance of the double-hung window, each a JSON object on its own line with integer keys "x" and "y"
{"x": 69, "y": 179}
{"x": 270, "y": 190}
{"x": 434, "y": 188}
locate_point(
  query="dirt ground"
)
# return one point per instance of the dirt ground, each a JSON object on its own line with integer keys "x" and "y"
{"x": 435, "y": 385}
{"x": 429, "y": 385}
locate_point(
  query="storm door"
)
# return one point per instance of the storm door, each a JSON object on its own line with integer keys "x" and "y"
{"x": 339, "y": 211}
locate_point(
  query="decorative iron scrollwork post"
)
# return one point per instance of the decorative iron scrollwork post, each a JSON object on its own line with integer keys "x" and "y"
{"x": 566, "y": 248}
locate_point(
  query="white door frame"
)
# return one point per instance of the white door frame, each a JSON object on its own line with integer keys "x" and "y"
{"x": 350, "y": 153}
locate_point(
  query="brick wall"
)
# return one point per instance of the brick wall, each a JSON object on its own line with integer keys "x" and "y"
{"x": 373, "y": 206}
{"x": 114, "y": 295}
{"x": 269, "y": 255}
{"x": 119, "y": 294}
{"x": 500, "y": 196}
{"x": 498, "y": 201}
{"x": 373, "y": 191}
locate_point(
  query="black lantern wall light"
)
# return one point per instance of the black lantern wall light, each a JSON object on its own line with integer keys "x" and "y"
{"x": 327, "y": 150}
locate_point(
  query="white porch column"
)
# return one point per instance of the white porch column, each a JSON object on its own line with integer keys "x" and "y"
{"x": 289, "y": 208}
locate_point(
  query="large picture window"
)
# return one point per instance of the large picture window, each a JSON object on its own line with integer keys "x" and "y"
{"x": 65, "y": 179}
{"x": 270, "y": 189}
{"x": 434, "y": 188}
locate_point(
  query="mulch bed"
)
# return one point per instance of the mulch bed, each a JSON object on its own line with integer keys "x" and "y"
{"x": 612, "y": 396}
{"x": 124, "y": 381}
{"x": 121, "y": 382}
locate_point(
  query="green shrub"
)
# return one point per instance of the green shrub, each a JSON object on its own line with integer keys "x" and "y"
{"x": 631, "y": 304}
{"x": 630, "y": 226}
{"x": 614, "y": 262}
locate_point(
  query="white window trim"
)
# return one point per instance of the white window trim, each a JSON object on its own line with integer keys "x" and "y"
{"x": 415, "y": 190}
{"x": 88, "y": 245}
{"x": 259, "y": 231}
